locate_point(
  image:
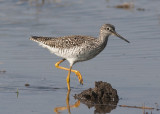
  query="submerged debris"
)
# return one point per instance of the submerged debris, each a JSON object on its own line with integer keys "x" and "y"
{"x": 140, "y": 9}
{"x": 129, "y": 5}
{"x": 17, "y": 92}
{"x": 27, "y": 84}
{"x": 2, "y": 71}
{"x": 103, "y": 97}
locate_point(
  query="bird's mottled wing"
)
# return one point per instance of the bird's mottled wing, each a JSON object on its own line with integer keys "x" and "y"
{"x": 62, "y": 42}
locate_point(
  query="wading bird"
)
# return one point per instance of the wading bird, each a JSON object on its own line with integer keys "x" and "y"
{"x": 77, "y": 48}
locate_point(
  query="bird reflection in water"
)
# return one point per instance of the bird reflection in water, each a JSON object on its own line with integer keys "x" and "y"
{"x": 68, "y": 107}
{"x": 99, "y": 108}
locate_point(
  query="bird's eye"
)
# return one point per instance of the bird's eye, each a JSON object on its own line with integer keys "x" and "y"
{"x": 108, "y": 28}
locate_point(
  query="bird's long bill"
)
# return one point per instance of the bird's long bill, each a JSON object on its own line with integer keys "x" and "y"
{"x": 116, "y": 34}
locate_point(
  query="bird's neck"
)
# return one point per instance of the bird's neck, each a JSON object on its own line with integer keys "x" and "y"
{"x": 103, "y": 38}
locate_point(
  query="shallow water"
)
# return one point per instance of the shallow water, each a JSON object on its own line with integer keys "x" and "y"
{"x": 132, "y": 69}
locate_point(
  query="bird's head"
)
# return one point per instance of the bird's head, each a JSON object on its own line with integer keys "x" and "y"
{"x": 108, "y": 29}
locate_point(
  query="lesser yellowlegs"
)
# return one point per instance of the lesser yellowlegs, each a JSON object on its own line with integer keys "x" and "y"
{"x": 77, "y": 48}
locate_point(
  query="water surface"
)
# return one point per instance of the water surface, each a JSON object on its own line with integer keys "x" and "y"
{"x": 132, "y": 69}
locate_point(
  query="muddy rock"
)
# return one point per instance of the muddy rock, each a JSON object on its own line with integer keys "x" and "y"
{"x": 103, "y": 97}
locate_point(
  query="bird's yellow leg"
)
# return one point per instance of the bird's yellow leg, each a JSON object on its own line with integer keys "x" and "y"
{"x": 68, "y": 78}
{"x": 75, "y": 71}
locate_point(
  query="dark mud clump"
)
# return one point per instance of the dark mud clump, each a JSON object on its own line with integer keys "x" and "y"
{"x": 103, "y": 97}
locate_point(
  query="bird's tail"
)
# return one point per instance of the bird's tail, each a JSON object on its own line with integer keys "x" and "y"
{"x": 36, "y": 38}
{"x": 41, "y": 39}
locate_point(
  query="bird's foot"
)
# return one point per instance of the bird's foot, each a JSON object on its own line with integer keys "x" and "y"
{"x": 79, "y": 77}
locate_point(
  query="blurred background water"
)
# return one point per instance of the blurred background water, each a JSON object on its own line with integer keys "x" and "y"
{"x": 133, "y": 69}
